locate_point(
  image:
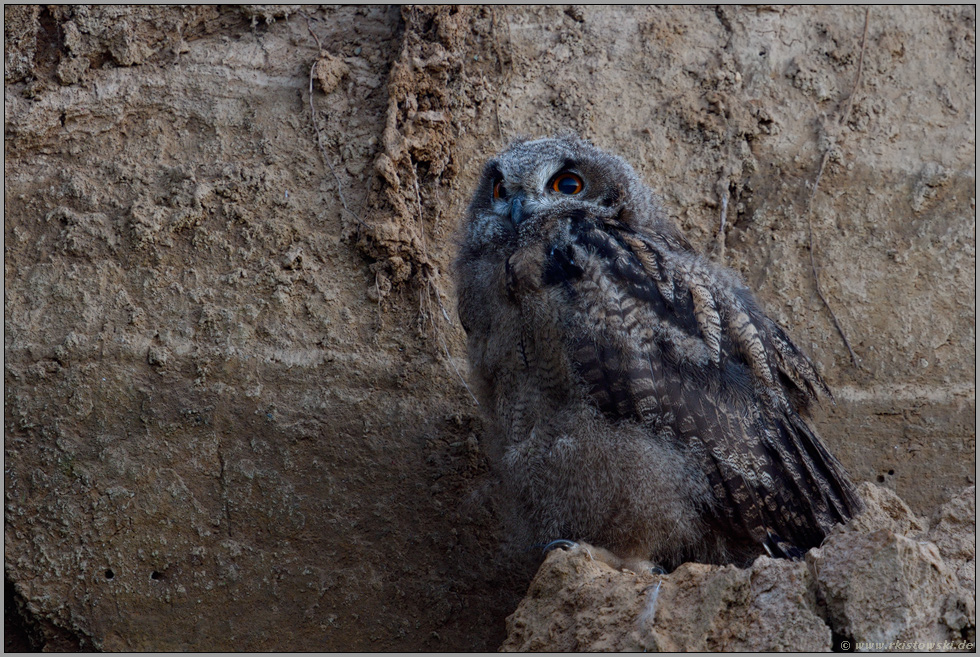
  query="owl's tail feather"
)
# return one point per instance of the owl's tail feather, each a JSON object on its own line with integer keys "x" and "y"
{"x": 779, "y": 548}
{"x": 838, "y": 491}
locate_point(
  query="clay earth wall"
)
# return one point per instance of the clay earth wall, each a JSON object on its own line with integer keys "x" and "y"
{"x": 234, "y": 416}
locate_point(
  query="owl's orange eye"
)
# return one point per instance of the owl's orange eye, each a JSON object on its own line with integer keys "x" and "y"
{"x": 499, "y": 191}
{"x": 567, "y": 183}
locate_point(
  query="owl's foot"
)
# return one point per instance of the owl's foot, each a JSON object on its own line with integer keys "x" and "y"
{"x": 633, "y": 565}
{"x": 560, "y": 543}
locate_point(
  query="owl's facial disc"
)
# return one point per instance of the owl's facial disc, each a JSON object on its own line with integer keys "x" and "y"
{"x": 519, "y": 195}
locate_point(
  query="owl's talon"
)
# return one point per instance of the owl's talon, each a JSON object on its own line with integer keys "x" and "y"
{"x": 561, "y": 542}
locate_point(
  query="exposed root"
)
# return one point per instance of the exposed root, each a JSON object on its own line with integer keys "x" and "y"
{"x": 845, "y": 113}
{"x": 719, "y": 245}
{"x": 505, "y": 74}
{"x": 316, "y": 126}
{"x": 452, "y": 364}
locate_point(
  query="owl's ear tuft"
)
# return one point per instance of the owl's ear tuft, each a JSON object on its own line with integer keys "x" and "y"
{"x": 491, "y": 170}
{"x": 626, "y": 216}
{"x": 612, "y": 197}
{"x": 567, "y": 134}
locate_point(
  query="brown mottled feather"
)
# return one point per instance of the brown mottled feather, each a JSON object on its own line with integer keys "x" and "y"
{"x": 769, "y": 465}
{"x": 639, "y": 397}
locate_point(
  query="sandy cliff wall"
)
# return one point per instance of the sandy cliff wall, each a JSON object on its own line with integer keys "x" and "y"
{"x": 233, "y": 414}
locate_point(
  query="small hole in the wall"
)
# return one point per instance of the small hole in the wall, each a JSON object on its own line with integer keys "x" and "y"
{"x": 156, "y": 575}
{"x": 881, "y": 479}
{"x": 109, "y": 574}
{"x": 891, "y": 472}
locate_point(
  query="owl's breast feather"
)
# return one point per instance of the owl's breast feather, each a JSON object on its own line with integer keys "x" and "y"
{"x": 524, "y": 269}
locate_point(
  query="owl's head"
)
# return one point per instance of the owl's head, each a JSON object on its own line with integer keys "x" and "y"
{"x": 533, "y": 181}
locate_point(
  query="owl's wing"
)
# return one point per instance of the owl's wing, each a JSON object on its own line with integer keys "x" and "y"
{"x": 672, "y": 341}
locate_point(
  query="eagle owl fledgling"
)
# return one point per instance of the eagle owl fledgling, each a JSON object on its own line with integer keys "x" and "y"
{"x": 640, "y": 398}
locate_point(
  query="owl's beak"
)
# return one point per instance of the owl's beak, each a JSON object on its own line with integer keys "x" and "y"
{"x": 517, "y": 209}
